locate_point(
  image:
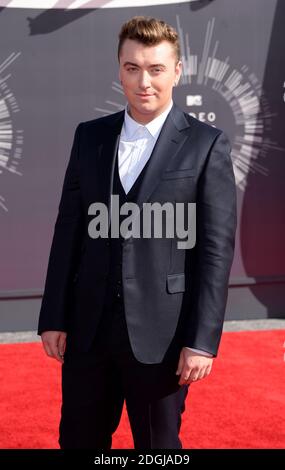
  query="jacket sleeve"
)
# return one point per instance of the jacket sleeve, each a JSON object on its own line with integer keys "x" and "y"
{"x": 215, "y": 240}
{"x": 65, "y": 247}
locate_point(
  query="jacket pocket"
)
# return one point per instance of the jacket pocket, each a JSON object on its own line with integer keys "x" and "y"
{"x": 169, "y": 175}
{"x": 175, "y": 283}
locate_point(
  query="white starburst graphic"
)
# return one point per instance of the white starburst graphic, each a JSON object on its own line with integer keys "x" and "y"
{"x": 241, "y": 89}
{"x": 11, "y": 139}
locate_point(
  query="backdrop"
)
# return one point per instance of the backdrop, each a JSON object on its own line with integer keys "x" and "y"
{"x": 58, "y": 67}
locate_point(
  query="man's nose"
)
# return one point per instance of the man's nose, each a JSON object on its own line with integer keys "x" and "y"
{"x": 144, "y": 80}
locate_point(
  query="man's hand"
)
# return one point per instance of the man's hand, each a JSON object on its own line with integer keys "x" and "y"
{"x": 193, "y": 366}
{"x": 54, "y": 344}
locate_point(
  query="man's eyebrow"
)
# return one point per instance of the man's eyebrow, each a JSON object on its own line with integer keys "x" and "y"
{"x": 130, "y": 63}
{"x": 136, "y": 65}
{"x": 158, "y": 65}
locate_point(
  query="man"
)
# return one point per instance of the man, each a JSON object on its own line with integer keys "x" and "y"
{"x": 138, "y": 318}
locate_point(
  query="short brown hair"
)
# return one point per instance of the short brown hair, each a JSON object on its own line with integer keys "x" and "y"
{"x": 149, "y": 31}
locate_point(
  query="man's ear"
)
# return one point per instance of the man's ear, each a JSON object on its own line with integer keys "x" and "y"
{"x": 178, "y": 70}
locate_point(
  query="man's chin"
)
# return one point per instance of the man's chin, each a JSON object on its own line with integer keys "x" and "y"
{"x": 147, "y": 111}
{"x": 147, "y": 108}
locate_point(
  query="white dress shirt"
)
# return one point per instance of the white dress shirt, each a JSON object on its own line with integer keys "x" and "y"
{"x": 135, "y": 148}
{"x": 136, "y": 145}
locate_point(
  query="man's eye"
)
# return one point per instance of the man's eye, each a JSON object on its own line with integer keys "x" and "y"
{"x": 132, "y": 69}
{"x": 156, "y": 70}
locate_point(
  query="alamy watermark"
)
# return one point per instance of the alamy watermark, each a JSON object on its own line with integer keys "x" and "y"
{"x": 158, "y": 220}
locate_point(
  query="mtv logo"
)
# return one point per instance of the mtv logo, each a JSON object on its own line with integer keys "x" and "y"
{"x": 194, "y": 100}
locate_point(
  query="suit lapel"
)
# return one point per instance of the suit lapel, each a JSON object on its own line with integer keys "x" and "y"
{"x": 107, "y": 158}
{"x": 166, "y": 148}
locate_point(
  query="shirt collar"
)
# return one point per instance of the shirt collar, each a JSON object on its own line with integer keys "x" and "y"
{"x": 131, "y": 126}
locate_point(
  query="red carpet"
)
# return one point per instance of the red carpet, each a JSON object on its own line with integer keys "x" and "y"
{"x": 240, "y": 405}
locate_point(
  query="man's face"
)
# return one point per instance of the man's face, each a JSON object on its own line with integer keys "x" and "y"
{"x": 148, "y": 74}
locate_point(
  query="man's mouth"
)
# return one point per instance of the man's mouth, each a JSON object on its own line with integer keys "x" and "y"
{"x": 145, "y": 95}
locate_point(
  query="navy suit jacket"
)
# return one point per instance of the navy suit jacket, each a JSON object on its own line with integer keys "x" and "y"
{"x": 169, "y": 293}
